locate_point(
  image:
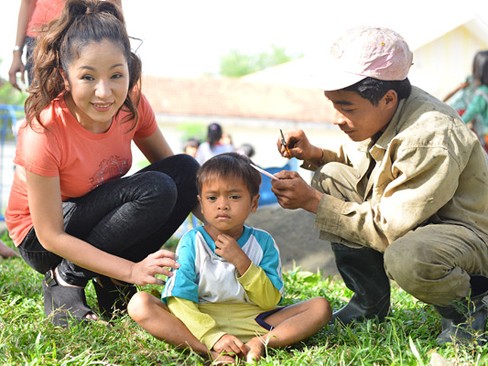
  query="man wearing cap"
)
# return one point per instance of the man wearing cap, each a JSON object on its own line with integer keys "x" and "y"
{"x": 406, "y": 199}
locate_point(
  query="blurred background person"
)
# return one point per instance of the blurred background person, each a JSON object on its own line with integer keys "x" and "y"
{"x": 470, "y": 98}
{"x": 6, "y": 251}
{"x": 191, "y": 146}
{"x": 476, "y": 114}
{"x": 246, "y": 149}
{"x": 214, "y": 144}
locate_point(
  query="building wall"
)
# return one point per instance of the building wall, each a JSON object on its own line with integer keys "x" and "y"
{"x": 441, "y": 65}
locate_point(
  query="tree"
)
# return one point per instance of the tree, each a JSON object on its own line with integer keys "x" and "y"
{"x": 9, "y": 95}
{"x": 237, "y": 64}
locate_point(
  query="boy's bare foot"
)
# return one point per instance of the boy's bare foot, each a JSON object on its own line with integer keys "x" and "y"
{"x": 221, "y": 359}
{"x": 255, "y": 349}
{"x": 6, "y": 251}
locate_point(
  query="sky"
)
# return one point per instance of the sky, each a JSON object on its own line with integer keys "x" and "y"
{"x": 189, "y": 37}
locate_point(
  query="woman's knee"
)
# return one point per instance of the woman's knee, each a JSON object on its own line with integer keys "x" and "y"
{"x": 188, "y": 167}
{"x": 181, "y": 167}
{"x": 159, "y": 189}
{"x": 182, "y": 170}
{"x": 159, "y": 183}
{"x": 187, "y": 162}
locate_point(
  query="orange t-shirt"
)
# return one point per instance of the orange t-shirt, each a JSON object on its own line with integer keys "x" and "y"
{"x": 44, "y": 12}
{"x": 83, "y": 160}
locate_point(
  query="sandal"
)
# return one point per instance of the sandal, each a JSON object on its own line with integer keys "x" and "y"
{"x": 113, "y": 296}
{"x": 64, "y": 302}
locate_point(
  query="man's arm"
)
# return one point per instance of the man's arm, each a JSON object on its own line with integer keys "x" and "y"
{"x": 410, "y": 191}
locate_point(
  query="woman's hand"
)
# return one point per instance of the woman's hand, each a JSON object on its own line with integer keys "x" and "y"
{"x": 157, "y": 263}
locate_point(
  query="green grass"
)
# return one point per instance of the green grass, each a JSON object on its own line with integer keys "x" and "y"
{"x": 406, "y": 338}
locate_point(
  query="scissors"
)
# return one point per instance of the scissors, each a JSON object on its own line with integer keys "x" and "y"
{"x": 284, "y": 144}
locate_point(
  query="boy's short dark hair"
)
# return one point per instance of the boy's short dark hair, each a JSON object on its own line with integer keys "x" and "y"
{"x": 233, "y": 165}
{"x": 374, "y": 89}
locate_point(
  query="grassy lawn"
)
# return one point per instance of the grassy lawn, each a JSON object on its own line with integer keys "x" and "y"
{"x": 406, "y": 338}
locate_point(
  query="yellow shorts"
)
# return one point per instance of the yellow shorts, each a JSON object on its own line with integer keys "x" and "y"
{"x": 244, "y": 321}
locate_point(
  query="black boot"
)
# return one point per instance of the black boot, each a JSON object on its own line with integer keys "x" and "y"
{"x": 363, "y": 272}
{"x": 465, "y": 320}
{"x": 113, "y": 296}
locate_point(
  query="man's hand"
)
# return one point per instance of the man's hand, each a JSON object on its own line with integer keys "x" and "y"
{"x": 293, "y": 192}
{"x": 299, "y": 146}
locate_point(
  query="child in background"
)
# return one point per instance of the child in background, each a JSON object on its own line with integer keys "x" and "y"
{"x": 470, "y": 98}
{"x": 191, "y": 146}
{"x": 6, "y": 251}
{"x": 246, "y": 149}
{"x": 476, "y": 112}
{"x": 217, "y": 143}
{"x": 223, "y": 299}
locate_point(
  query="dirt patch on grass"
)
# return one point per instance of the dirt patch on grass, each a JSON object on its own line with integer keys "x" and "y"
{"x": 297, "y": 238}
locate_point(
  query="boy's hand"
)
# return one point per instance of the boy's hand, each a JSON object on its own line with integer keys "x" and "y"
{"x": 227, "y": 247}
{"x": 230, "y": 345}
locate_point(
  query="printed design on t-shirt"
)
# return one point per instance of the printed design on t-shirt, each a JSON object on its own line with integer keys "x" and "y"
{"x": 108, "y": 169}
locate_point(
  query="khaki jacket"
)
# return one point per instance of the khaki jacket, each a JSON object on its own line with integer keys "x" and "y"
{"x": 429, "y": 168}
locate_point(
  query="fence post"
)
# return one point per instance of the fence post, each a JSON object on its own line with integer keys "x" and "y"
{"x": 8, "y": 120}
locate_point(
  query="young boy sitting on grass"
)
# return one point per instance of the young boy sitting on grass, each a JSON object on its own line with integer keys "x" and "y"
{"x": 223, "y": 299}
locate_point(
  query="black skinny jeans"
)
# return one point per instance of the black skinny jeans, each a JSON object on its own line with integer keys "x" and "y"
{"x": 129, "y": 217}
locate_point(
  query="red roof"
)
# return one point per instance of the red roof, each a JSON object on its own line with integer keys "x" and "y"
{"x": 226, "y": 97}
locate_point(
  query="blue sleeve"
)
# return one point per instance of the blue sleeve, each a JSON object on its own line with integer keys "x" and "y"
{"x": 183, "y": 283}
{"x": 477, "y": 106}
{"x": 271, "y": 262}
